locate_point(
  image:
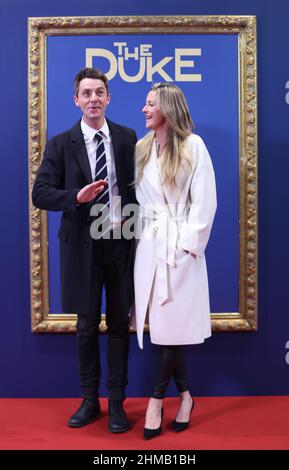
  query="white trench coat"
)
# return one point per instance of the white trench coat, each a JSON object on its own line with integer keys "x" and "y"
{"x": 170, "y": 274}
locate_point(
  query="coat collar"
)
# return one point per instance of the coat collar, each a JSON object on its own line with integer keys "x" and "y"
{"x": 152, "y": 170}
{"x": 170, "y": 194}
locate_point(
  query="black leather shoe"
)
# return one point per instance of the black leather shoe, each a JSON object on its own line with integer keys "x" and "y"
{"x": 182, "y": 426}
{"x": 150, "y": 433}
{"x": 117, "y": 419}
{"x": 88, "y": 411}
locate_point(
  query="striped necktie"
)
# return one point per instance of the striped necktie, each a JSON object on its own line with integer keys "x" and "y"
{"x": 101, "y": 170}
{"x": 103, "y": 197}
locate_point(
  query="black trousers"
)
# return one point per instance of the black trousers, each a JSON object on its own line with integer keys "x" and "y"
{"x": 112, "y": 270}
{"x": 170, "y": 364}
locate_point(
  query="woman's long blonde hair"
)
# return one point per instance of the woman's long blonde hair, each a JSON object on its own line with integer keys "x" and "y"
{"x": 173, "y": 106}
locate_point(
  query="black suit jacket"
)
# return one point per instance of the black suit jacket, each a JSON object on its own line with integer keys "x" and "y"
{"x": 63, "y": 172}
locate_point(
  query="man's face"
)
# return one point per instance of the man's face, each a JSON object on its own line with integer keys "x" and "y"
{"x": 92, "y": 99}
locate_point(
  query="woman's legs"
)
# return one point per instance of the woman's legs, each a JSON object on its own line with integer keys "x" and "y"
{"x": 168, "y": 359}
{"x": 170, "y": 364}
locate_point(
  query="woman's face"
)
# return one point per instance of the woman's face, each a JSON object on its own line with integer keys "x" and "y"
{"x": 154, "y": 118}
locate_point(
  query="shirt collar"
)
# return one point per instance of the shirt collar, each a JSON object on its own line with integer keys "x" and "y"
{"x": 89, "y": 132}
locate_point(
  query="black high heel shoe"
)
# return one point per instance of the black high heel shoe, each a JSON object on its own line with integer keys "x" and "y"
{"x": 178, "y": 426}
{"x": 150, "y": 433}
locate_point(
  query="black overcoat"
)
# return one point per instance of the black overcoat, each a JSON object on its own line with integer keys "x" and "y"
{"x": 63, "y": 172}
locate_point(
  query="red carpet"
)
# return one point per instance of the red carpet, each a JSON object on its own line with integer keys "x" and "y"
{"x": 216, "y": 423}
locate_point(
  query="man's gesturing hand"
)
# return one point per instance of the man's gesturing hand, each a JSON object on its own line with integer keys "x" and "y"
{"x": 90, "y": 191}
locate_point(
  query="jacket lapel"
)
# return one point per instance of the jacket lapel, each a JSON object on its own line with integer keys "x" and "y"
{"x": 116, "y": 139}
{"x": 79, "y": 150}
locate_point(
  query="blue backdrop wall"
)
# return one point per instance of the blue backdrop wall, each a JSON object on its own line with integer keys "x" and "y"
{"x": 229, "y": 363}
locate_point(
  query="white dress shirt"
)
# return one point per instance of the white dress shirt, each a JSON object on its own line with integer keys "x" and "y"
{"x": 114, "y": 197}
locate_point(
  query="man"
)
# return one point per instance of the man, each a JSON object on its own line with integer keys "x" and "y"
{"x": 88, "y": 164}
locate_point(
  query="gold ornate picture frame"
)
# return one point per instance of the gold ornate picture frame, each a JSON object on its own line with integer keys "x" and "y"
{"x": 39, "y": 29}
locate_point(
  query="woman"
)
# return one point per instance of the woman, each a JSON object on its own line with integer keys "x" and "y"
{"x": 175, "y": 188}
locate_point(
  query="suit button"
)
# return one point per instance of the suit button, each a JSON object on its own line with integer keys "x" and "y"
{"x": 88, "y": 220}
{"x": 86, "y": 243}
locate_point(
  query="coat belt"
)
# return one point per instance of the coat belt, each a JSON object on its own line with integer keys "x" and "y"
{"x": 165, "y": 232}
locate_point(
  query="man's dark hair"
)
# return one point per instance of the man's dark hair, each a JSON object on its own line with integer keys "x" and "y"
{"x": 89, "y": 73}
